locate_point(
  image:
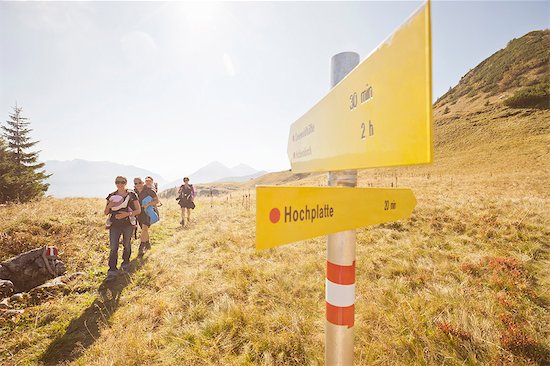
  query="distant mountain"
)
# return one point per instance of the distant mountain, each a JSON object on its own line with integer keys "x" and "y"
{"x": 242, "y": 170}
{"x": 242, "y": 178}
{"x": 216, "y": 172}
{"x": 83, "y": 178}
{"x": 210, "y": 172}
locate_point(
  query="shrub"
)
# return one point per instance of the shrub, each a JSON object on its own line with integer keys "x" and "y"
{"x": 537, "y": 96}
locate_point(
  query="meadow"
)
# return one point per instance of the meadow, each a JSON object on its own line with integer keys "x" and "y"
{"x": 464, "y": 281}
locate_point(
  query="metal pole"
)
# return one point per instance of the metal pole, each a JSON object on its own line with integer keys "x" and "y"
{"x": 340, "y": 282}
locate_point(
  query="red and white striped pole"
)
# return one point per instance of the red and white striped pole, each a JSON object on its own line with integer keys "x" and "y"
{"x": 340, "y": 294}
{"x": 340, "y": 282}
{"x": 340, "y": 287}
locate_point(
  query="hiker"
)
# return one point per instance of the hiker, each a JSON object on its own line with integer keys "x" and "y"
{"x": 186, "y": 196}
{"x": 147, "y": 198}
{"x": 150, "y": 183}
{"x": 122, "y": 207}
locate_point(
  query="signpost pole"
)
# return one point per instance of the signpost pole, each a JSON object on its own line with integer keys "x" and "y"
{"x": 340, "y": 276}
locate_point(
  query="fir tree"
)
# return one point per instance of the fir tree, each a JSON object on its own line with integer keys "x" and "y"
{"x": 27, "y": 180}
{"x": 16, "y": 133}
{"x": 8, "y": 175}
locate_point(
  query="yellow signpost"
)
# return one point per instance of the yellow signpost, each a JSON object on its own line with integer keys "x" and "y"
{"x": 379, "y": 115}
{"x": 288, "y": 214}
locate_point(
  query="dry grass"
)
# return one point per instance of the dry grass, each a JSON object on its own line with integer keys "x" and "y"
{"x": 75, "y": 225}
{"x": 463, "y": 281}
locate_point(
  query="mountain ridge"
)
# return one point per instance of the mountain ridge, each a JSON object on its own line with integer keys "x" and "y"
{"x": 216, "y": 172}
{"x": 87, "y": 178}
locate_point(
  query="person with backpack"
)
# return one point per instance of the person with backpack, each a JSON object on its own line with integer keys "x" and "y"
{"x": 150, "y": 183}
{"x": 148, "y": 200}
{"x": 122, "y": 207}
{"x": 186, "y": 197}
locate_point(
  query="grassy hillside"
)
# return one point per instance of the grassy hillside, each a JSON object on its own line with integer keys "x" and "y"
{"x": 523, "y": 63}
{"x": 464, "y": 281}
{"x": 74, "y": 225}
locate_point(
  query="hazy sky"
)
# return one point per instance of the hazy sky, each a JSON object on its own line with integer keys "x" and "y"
{"x": 172, "y": 86}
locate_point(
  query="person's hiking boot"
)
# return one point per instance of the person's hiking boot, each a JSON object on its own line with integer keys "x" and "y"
{"x": 147, "y": 245}
{"x": 182, "y": 223}
{"x": 111, "y": 275}
{"x": 141, "y": 249}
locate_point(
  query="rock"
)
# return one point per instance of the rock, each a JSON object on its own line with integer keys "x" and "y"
{"x": 60, "y": 268}
{"x": 20, "y": 298}
{"x": 4, "y": 273}
{"x": 6, "y": 288}
{"x": 73, "y": 276}
{"x": 5, "y": 304}
{"x": 5, "y": 314}
{"x": 28, "y": 270}
{"x": 48, "y": 290}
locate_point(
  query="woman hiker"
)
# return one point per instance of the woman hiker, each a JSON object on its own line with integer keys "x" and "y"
{"x": 144, "y": 219}
{"x": 122, "y": 207}
{"x": 186, "y": 196}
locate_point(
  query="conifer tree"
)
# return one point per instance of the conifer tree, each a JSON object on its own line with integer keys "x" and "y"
{"x": 27, "y": 180}
{"x": 8, "y": 176}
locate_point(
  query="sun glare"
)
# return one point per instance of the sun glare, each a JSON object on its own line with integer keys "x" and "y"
{"x": 200, "y": 16}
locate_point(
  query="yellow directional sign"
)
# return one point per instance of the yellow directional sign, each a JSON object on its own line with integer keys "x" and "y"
{"x": 288, "y": 214}
{"x": 379, "y": 115}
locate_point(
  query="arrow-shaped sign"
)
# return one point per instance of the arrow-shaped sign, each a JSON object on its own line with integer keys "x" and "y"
{"x": 288, "y": 214}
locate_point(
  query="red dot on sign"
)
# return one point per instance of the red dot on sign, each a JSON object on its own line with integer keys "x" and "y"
{"x": 274, "y": 215}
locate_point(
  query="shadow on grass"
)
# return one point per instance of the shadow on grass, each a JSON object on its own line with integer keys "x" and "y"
{"x": 83, "y": 331}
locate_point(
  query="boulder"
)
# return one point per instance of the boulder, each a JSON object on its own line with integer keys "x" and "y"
{"x": 30, "y": 269}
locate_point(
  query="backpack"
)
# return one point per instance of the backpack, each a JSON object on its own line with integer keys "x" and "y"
{"x": 124, "y": 206}
{"x": 150, "y": 211}
{"x": 186, "y": 194}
